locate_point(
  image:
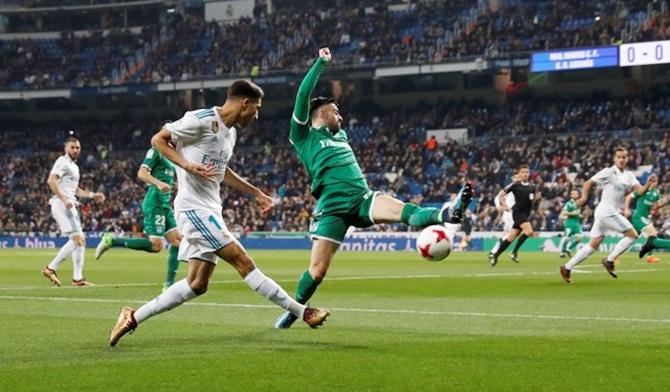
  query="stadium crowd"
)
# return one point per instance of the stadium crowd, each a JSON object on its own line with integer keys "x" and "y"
{"x": 392, "y": 151}
{"x": 428, "y": 31}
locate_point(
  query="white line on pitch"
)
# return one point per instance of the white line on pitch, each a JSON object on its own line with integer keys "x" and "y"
{"x": 361, "y": 310}
{"x": 340, "y": 278}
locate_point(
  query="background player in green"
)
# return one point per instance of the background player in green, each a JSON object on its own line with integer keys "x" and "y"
{"x": 572, "y": 225}
{"x": 641, "y": 218}
{"x": 340, "y": 188}
{"x": 159, "y": 220}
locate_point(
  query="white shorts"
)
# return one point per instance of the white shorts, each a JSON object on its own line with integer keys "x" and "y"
{"x": 508, "y": 221}
{"x": 203, "y": 233}
{"x": 614, "y": 223}
{"x": 67, "y": 219}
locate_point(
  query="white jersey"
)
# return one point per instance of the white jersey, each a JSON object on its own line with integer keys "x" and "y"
{"x": 68, "y": 177}
{"x": 616, "y": 184}
{"x": 509, "y": 200}
{"x": 201, "y": 137}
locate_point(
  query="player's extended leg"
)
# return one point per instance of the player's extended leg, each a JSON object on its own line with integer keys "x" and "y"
{"x": 574, "y": 241}
{"x": 174, "y": 238}
{"x": 502, "y": 245}
{"x": 386, "y": 209}
{"x": 108, "y": 241}
{"x": 653, "y": 241}
{"x": 323, "y": 252}
{"x": 199, "y": 274}
{"x": 526, "y": 231}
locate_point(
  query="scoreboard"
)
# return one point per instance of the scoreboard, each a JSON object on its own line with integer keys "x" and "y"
{"x": 644, "y": 53}
{"x": 624, "y": 55}
{"x": 579, "y": 58}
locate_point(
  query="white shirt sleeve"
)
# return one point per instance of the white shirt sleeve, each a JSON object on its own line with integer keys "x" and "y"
{"x": 60, "y": 168}
{"x": 185, "y": 130}
{"x": 603, "y": 176}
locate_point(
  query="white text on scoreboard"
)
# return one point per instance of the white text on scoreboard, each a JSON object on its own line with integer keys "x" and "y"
{"x": 644, "y": 53}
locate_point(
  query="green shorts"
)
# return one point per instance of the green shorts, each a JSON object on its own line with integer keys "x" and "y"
{"x": 572, "y": 229}
{"x": 158, "y": 221}
{"x": 331, "y": 223}
{"x": 640, "y": 223}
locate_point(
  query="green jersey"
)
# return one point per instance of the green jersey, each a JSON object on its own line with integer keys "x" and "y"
{"x": 163, "y": 170}
{"x": 645, "y": 203}
{"x": 571, "y": 207}
{"x": 328, "y": 157}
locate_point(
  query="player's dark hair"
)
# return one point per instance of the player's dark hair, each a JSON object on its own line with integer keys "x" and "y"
{"x": 619, "y": 148}
{"x": 318, "y": 102}
{"x": 245, "y": 89}
{"x": 522, "y": 166}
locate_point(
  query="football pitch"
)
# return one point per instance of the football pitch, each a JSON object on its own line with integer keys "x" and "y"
{"x": 397, "y": 323}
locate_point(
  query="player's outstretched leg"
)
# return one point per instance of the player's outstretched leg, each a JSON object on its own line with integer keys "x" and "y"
{"x": 108, "y": 241}
{"x": 654, "y": 242}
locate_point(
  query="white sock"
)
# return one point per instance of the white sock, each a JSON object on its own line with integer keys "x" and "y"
{"x": 269, "y": 289}
{"x": 63, "y": 253}
{"x": 580, "y": 256}
{"x": 562, "y": 242}
{"x": 495, "y": 247}
{"x": 78, "y": 263}
{"x": 620, "y": 247}
{"x": 174, "y": 296}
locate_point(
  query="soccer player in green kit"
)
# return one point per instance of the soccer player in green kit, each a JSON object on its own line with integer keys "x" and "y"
{"x": 342, "y": 193}
{"x": 159, "y": 220}
{"x": 572, "y": 225}
{"x": 642, "y": 223}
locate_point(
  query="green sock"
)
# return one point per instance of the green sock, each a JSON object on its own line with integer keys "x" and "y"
{"x": 573, "y": 243}
{"x": 415, "y": 216}
{"x": 138, "y": 243}
{"x": 661, "y": 243}
{"x": 306, "y": 287}
{"x": 172, "y": 264}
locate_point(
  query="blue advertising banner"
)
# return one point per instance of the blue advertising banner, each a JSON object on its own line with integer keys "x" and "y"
{"x": 355, "y": 242}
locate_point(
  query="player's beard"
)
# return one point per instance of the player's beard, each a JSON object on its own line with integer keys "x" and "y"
{"x": 73, "y": 156}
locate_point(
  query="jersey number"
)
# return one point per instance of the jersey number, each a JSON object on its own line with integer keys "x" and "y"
{"x": 160, "y": 221}
{"x": 215, "y": 222}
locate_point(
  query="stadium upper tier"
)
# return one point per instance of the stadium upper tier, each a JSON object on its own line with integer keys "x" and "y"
{"x": 185, "y": 47}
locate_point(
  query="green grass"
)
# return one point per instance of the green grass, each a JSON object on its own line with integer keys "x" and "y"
{"x": 397, "y": 323}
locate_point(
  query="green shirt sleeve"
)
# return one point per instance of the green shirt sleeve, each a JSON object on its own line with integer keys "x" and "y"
{"x": 300, "y": 119}
{"x": 150, "y": 159}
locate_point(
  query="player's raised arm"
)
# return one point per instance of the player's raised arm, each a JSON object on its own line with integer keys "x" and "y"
{"x": 300, "y": 117}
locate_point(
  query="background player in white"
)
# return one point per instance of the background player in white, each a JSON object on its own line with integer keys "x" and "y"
{"x": 64, "y": 183}
{"x": 616, "y": 183}
{"x": 507, "y": 219}
{"x": 204, "y": 141}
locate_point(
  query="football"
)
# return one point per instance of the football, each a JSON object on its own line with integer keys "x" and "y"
{"x": 434, "y": 243}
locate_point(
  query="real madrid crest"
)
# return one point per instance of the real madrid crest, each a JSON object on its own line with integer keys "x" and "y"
{"x": 215, "y": 126}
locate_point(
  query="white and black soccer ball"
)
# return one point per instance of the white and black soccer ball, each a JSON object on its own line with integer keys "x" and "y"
{"x": 434, "y": 243}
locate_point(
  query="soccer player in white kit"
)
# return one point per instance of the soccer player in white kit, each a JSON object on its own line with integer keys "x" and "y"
{"x": 64, "y": 183}
{"x": 204, "y": 141}
{"x": 616, "y": 183}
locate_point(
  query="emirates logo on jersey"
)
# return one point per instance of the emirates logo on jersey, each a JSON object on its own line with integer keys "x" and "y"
{"x": 215, "y": 126}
